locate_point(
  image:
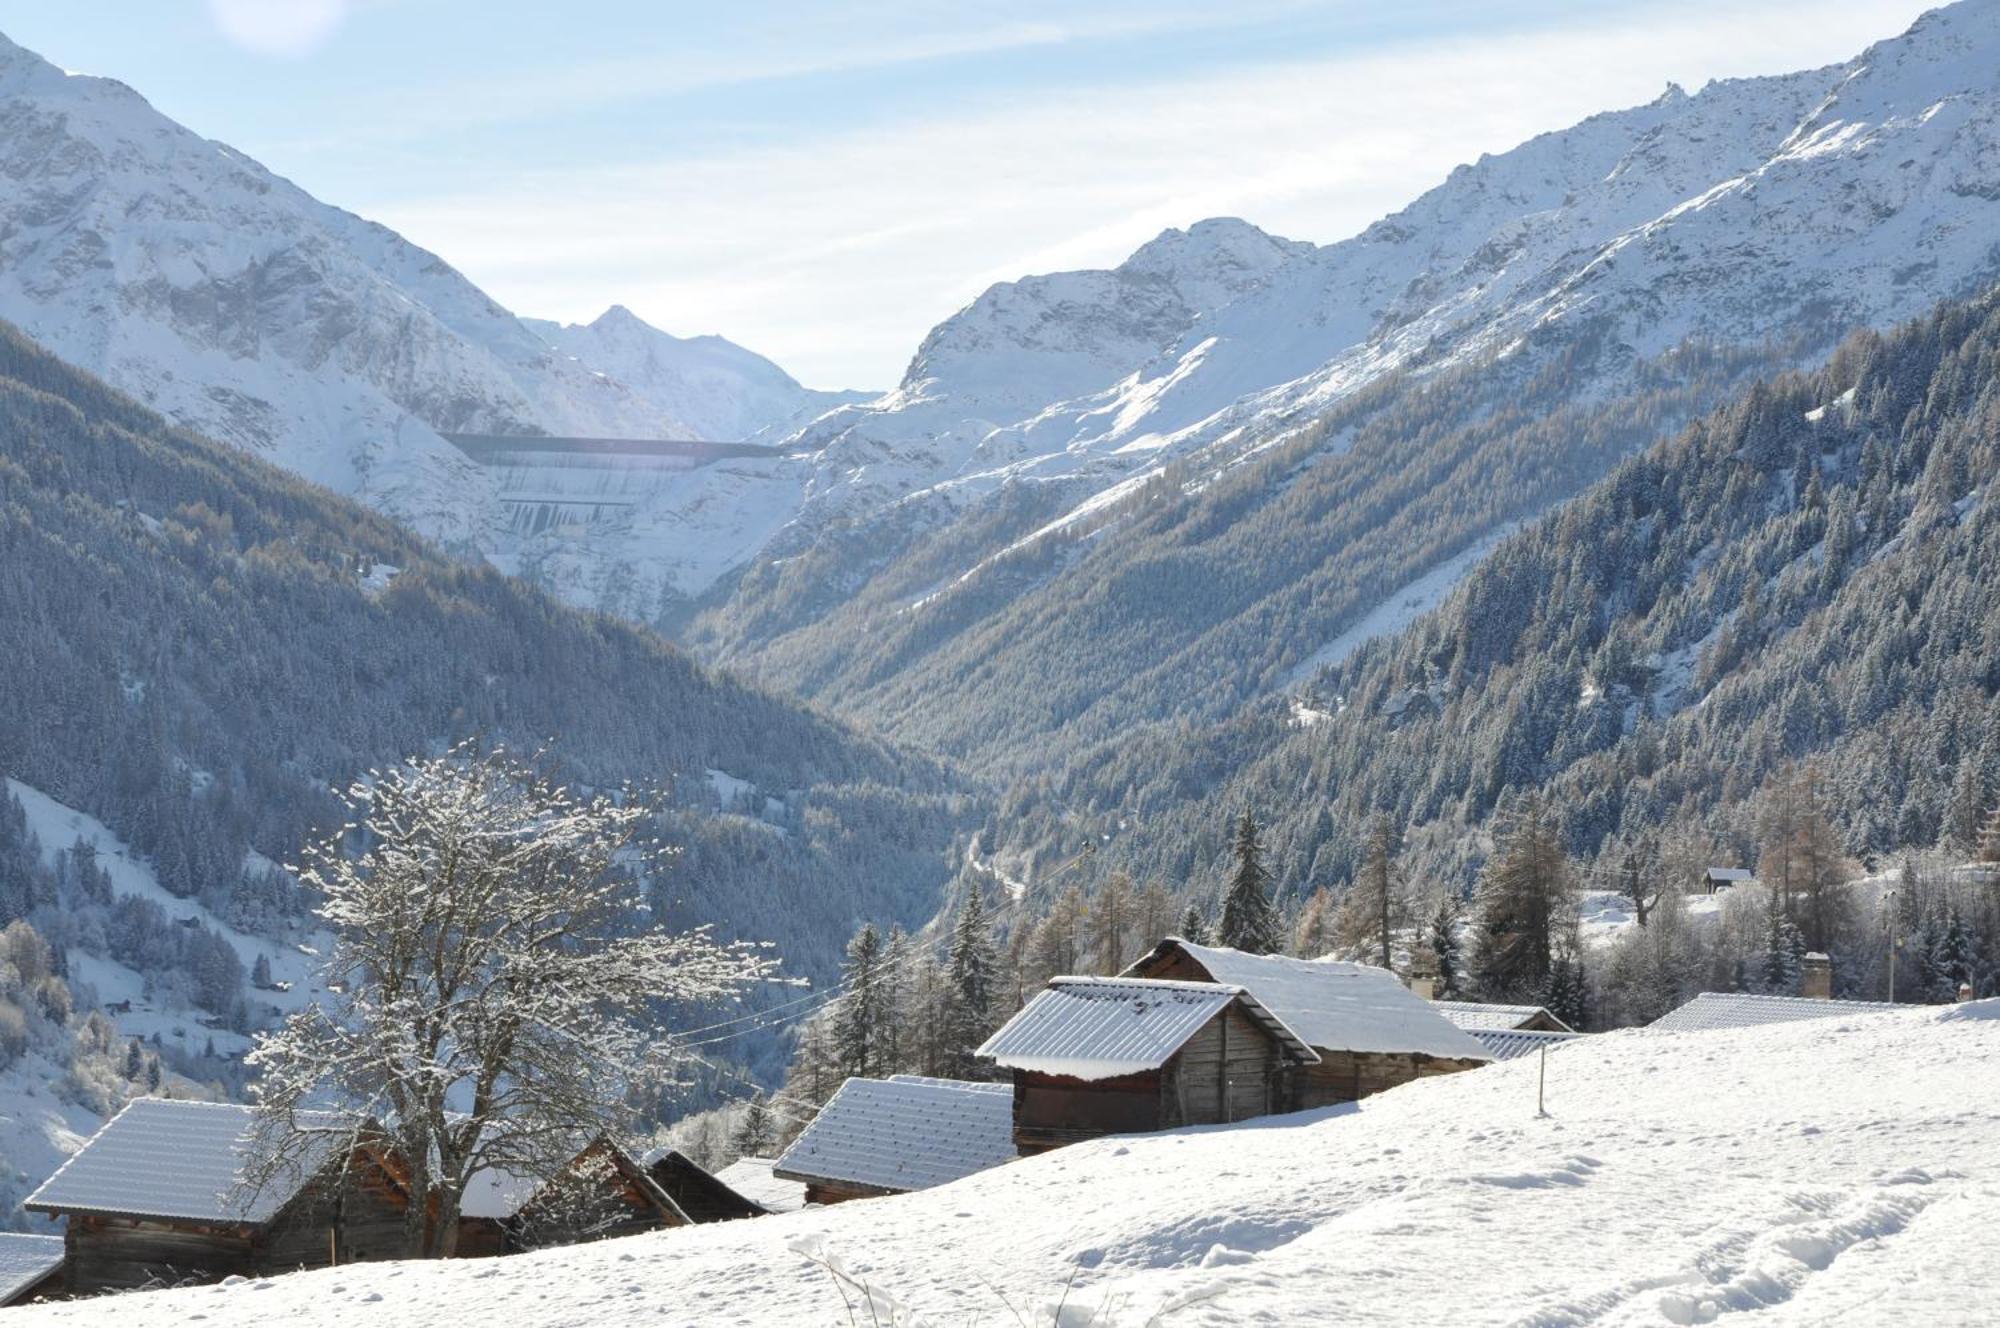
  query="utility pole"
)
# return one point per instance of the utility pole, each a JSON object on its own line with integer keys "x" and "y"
{"x": 1895, "y": 941}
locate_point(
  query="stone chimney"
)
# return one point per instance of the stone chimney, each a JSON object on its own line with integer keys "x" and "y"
{"x": 1816, "y": 977}
{"x": 1425, "y": 987}
{"x": 1964, "y": 992}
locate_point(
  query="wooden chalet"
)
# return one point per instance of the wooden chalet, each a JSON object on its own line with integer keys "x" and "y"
{"x": 157, "y": 1198}
{"x": 1097, "y": 1056}
{"x": 599, "y": 1193}
{"x": 891, "y": 1136}
{"x": 31, "y": 1268}
{"x": 1369, "y": 1031}
{"x": 698, "y": 1193}
{"x": 1476, "y": 1017}
{"x": 1717, "y": 880}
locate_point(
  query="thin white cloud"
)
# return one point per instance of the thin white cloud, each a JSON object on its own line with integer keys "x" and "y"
{"x": 290, "y": 28}
{"x": 835, "y": 255}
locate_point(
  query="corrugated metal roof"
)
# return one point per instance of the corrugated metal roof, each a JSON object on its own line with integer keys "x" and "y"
{"x": 1737, "y": 1009}
{"x": 751, "y": 1177}
{"x": 906, "y": 1133}
{"x": 1101, "y": 1028}
{"x": 26, "y": 1260}
{"x": 1332, "y": 1005}
{"x": 1508, "y": 1044}
{"x": 1473, "y": 1016}
{"x": 161, "y": 1158}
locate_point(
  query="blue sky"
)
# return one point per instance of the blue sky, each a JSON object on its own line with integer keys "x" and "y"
{"x": 823, "y": 182}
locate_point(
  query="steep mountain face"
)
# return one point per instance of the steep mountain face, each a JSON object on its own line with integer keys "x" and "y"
{"x": 1813, "y": 571}
{"x": 235, "y": 303}
{"x": 1351, "y": 428}
{"x": 198, "y": 647}
{"x": 709, "y": 386}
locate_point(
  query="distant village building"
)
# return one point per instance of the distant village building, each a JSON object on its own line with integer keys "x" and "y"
{"x": 891, "y": 1136}
{"x": 1718, "y": 880}
{"x": 1369, "y": 1031}
{"x": 31, "y": 1268}
{"x": 1737, "y": 1009}
{"x": 156, "y": 1197}
{"x": 1475, "y": 1017}
{"x": 601, "y": 1192}
{"x": 1508, "y": 1044}
{"x": 699, "y": 1194}
{"x": 751, "y": 1177}
{"x": 1097, "y": 1056}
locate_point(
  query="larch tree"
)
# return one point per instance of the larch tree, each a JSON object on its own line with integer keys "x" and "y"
{"x": 489, "y": 1005}
{"x": 1249, "y": 922}
{"x": 1373, "y": 908}
{"x": 1111, "y": 914}
{"x": 1525, "y": 903}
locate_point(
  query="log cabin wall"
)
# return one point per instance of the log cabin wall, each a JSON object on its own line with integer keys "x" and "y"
{"x": 1348, "y": 1076}
{"x": 125, "y": 1253}
{"x": 1229, "y": 1071}
{"x": 1051, "y": 1110}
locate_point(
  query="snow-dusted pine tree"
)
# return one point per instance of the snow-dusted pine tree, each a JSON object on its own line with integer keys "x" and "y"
{"x": 1248, "y": 920}
{"x": 489, "y": 1004}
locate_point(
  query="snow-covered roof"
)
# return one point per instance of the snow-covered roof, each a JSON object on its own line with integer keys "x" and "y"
{"x": 1736, "y": 1009}
{"x": 751, "y": 1177}
{"x": 1731, "y": 874}
{"x": 1101, "y": 1028}
{"x": 1331, "y": 1005}
{"x": 1472, "y": 1016}
{"x": 161, "y": 1158}
{"x": 26, "y": 1260}
{"x": 904, "y": 1133}
{"x": 1506, "y": 1044}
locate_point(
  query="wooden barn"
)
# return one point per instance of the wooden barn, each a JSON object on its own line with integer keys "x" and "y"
{"x": 601, "y": 1192}
{"x": 1370, "y": 1032}
{"x": 903, "y": 1133}
{"x": 31, "y": 1268}
{"x": 156, "y": 1198}
{"x": 1097, "y": 1056}
{"x": 698, "y": 1193}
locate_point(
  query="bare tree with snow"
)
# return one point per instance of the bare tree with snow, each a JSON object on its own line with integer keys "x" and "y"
{"x": 489, "y": 997}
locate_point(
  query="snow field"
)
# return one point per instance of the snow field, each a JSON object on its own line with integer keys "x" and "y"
{"x": 1841, "y": 1170}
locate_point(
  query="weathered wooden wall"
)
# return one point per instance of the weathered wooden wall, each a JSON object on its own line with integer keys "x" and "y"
{"x": 1051, "y": 1110}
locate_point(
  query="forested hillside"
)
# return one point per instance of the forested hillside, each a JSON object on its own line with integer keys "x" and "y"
{"x": 197, "y": 646}
{"x": 1812, "y": 571}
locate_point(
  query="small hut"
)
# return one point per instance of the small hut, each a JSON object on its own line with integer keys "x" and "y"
{"x": 1370, "y": 1031}
{"x": 31, "y": 1268}
{"x": 159, "y": 1197}
{"x": 599, "y": 1193}
{"x": 1742, "y": 1009}
{"x": 699, "y": 1193}
{"x": 1476, "y": 1017}
{"x": 1511, "y": 1044}
{"x": 1097, "y": 1056}
{"x": 891, "y": 1136}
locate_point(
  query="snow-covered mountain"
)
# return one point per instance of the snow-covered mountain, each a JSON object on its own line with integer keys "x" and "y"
{"x": 232, "y": 301}
{"x": 1755, "y": 221}
{"x": 710, "y": 386}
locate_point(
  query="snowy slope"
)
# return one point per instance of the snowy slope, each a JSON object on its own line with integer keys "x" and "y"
{"x": 1678, "y": 1178}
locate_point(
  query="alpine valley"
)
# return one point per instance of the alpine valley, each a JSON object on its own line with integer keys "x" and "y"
{"x": 1565, "y": 479}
